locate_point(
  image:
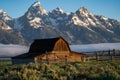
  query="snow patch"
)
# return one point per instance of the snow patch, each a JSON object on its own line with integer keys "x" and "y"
{"x": 91, "y": 22}
{"x": 36, "y": 22}
{"x": 90, "y": 29}
{"x": 61, "y": 11}
{"x": 36, "y": 19}
{"x": 104, "y": 18}
{"x": 6, "y": 28}
{"x": 77, "y": 21}
{"x": 36, "y": 9}
{"x": 4, "y": 15}
{"x": 109, "y": 31}
{"x": 109, "y": 24}
{"x": 36, "y": 4}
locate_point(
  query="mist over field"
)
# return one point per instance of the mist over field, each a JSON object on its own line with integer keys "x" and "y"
{"x": 13, "y": 50}
{"x": 95, "y": 47}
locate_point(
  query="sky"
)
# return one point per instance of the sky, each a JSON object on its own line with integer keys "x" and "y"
{"x": 108, "y": 8}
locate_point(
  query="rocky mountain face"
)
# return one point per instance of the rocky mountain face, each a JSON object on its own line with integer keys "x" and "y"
{"x": 80, "y": 27}
{"x": 9, "y": 35}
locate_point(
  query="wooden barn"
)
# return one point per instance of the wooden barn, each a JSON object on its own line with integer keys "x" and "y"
{"x": 50, "y": 51}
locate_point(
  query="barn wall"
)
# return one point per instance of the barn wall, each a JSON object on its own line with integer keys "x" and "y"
{"x": 54, "y": 57}
{"x": 51, "y": 57}
{"x": 76, "y": 57}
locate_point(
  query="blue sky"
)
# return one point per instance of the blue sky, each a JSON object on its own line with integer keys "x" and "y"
{"x": 108, "y": 8}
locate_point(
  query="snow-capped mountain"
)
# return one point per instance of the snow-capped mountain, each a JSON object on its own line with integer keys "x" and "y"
{"x": 4, "y": 19}
{"x": 4, "y": 16}
{"x": 77, "y": 27}
{"x": 58, "y": 16}
{"x": 8, "y": 34}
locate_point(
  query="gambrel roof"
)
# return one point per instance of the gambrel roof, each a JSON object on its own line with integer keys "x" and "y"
{"x": 44, "y": 45}
{"x": 40, "y": 46}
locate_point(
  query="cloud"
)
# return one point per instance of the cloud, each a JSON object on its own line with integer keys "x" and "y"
{"x": 12, "y": 50}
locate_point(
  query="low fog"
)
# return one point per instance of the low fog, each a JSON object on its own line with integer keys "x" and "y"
{"x": 13, "y": 50}
{"x": 95, "y": 47}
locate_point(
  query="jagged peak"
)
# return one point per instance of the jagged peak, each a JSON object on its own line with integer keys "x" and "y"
{"x": 4, "y": 15}
{"x": 36, "y": 9}
{"x": 83, "y": 9}
{"x": 84, "y": 12}
{"x": 58, "y": 9}
{"x": 37, "y": 3}
{"x": 104, "y": 18}
{"x": 35, "y": 6}
{"x": 2, "y": 11}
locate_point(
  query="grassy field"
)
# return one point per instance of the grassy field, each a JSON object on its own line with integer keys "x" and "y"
{"x": 93, "y": 70}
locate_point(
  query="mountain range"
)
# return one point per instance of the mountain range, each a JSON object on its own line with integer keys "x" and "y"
{"x": 80, "y": 27}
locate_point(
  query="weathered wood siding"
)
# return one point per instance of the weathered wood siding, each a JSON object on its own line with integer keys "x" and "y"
{"x": 53, "y": 57}
{"x": 60, "y": 51}
{"x": 76, "y": 57}
{"x": 61, "y": 46}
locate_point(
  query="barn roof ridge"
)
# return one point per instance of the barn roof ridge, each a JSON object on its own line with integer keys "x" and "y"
{"x": 48, "y": 38}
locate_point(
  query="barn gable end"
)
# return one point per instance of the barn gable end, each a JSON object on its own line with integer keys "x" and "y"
{"x": 61, "y": 45}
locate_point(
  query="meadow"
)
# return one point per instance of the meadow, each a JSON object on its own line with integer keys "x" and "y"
{"x": 91, "y": 70}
